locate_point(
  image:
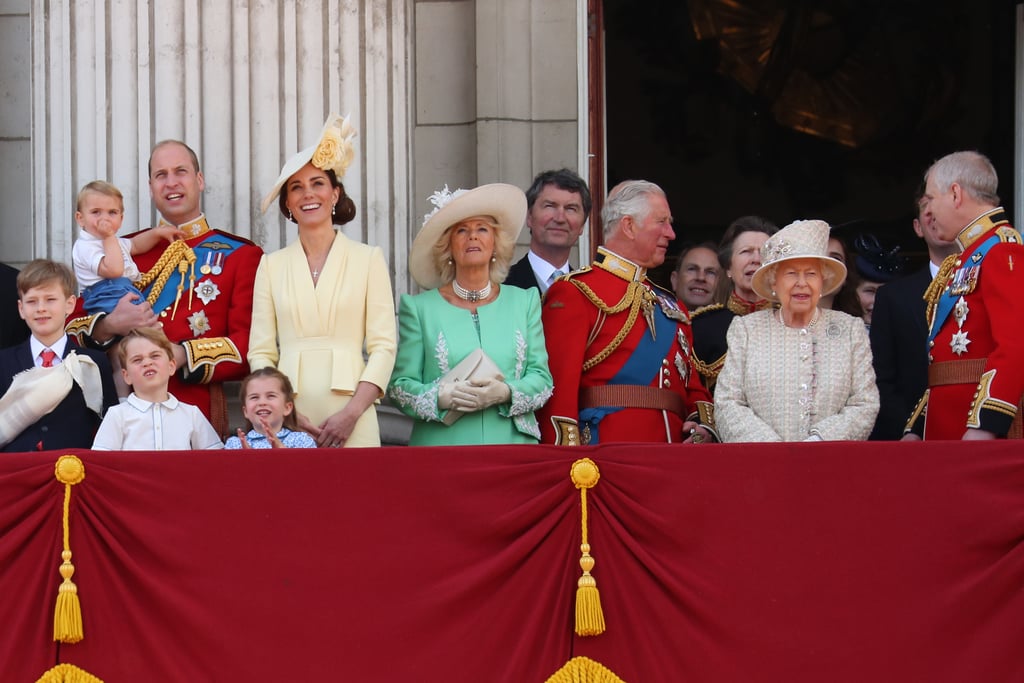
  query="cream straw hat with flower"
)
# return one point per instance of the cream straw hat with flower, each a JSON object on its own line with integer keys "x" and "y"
{"x": 333, "y": 151}
{"x": 798, "y": 240}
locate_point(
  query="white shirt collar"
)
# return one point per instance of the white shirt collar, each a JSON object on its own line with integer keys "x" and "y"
{"x": 933, "y": 268}
{"x": 142, "y": 405}
{"x": 542, "y": 270}
{"x": 58, "y": 347}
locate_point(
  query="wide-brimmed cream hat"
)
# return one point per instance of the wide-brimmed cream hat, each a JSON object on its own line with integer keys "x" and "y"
{"x": 800, "y": 239}
{"x": 333, "y": 150}
{"x": 506, "y": 204}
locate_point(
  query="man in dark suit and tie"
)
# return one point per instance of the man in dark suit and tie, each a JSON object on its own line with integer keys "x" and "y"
{"x": 558, "y": 205}
{"x": 899, "y": 334}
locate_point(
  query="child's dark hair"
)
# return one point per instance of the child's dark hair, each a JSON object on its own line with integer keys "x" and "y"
{"x": 290, "y": 421}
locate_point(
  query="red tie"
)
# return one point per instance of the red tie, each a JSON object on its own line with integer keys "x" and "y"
{"x": 48, "y": 355}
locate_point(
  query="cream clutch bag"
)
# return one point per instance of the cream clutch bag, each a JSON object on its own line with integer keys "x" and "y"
{"x": 477, "y": 365}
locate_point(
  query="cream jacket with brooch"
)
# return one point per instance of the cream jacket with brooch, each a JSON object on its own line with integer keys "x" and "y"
{"x": 786, "y": 384}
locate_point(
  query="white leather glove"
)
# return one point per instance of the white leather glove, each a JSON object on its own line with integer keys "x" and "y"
{"x": 480, "y": 394}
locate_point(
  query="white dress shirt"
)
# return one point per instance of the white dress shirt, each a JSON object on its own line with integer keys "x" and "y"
{"x": 139, "y": 425}
{"x": 543, "y": 270}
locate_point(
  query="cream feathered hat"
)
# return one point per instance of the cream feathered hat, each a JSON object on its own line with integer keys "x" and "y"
{"x": 333, "y": 151}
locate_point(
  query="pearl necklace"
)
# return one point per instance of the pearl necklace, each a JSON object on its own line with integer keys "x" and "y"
{"x": 471, "y": 295}
{"x": 808, "y": 326}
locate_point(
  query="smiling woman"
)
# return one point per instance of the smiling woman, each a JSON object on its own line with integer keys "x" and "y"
{"x": 799, "y": 373}
{"x": 321, "y": 300}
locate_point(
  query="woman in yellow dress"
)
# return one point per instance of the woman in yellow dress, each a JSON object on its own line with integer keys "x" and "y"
{"x": 318, "y": 302}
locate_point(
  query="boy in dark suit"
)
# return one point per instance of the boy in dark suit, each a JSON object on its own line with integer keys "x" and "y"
{"x": 61, "y": 390}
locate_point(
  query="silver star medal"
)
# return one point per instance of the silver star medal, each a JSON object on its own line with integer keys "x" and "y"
{"x": 960, "y": 311}
{"x": 959, "y": 343}
{"x": 207, "y": 291}
{"x": 199, "y": 323}
{"x": 683, "y": 342}
{"x": 683, "y": 368}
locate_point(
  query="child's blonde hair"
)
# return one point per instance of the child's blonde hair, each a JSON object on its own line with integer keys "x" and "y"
{"x": 99, "y": 187}
{"x": 290, "y": 420}
{"x": 154, "y": 334}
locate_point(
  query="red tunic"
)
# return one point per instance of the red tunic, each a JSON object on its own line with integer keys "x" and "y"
{"x": 582, "y": 324}
{"x": 213, "y": 324}
{"x": 979, "y": 319}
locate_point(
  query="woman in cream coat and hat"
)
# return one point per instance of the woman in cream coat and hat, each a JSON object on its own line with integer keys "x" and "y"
{"x": 460, "y": 256}
{"x": 318, "y": 302}
{"x": 797, "y": 373}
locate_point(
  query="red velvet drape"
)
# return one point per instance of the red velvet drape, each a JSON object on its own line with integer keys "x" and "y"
{"x": 803, "y": 562}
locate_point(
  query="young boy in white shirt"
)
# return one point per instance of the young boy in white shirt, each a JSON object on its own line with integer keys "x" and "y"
{"x": 151, "y": 418}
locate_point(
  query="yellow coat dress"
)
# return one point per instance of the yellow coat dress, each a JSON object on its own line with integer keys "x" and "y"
{"x": 318, "y": 335}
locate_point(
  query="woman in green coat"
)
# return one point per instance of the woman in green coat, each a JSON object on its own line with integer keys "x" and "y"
{"x": 472, "y": 367}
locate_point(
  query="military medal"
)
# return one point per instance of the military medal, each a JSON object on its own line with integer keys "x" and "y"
{"x": 683, "y": 368}
{"x": 199, "y": 323}
{"x": 960, "y": 311}
{"x": 205, "y": 269}
{"x": 959, "y": 343}
{"x": 965, "y": 280}
{"x": 671, "y": 309}
{"x": 218, "y": 264}
{"x": 207, "y": 291}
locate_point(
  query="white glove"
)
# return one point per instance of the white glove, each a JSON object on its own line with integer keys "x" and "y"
{"x": 480, "y": 394}
{"x": 444, "y": 395}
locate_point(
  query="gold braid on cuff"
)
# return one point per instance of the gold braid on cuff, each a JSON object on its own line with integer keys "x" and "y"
{"x": 567, "y": 431}
{"x": 203, "y": 355}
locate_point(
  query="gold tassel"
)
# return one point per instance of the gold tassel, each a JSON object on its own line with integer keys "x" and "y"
{"x": 67, "y": 617}
{"x": 589, "y": 617}
{"x": 68, "y": 673}
{"x": 584, "y": 670}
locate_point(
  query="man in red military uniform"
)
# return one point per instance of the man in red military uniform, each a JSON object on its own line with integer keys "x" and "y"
{"x": 618, "y": 345}
{"x": 975, "y": 311}
{"x": 198, "y": 289}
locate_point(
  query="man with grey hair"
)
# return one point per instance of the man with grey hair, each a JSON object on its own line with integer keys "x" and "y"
{"x": 975, "y": 311}
{"x": 619, "y": 345}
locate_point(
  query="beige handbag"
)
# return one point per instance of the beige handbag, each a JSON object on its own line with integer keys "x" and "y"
{"x": 476, "y": 366}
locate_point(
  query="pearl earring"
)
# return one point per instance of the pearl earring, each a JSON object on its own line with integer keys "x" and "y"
{"x": 290, "y": 216}
{"x": 334, "y": 209}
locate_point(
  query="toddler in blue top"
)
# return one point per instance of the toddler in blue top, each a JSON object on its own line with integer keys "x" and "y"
{"x": 268, "y": 404}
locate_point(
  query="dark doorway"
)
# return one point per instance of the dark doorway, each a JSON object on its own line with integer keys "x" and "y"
{"x": 793, "y": 109}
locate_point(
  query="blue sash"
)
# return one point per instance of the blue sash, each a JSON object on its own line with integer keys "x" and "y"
{"x": 948, "y": 300}
{"x": 642, "y": 366}
{"x": 213, "y": 244}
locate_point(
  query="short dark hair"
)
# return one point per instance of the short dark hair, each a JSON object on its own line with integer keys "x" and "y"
{"x": 563, "y": 179}
{"x": 710, "y": 246}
